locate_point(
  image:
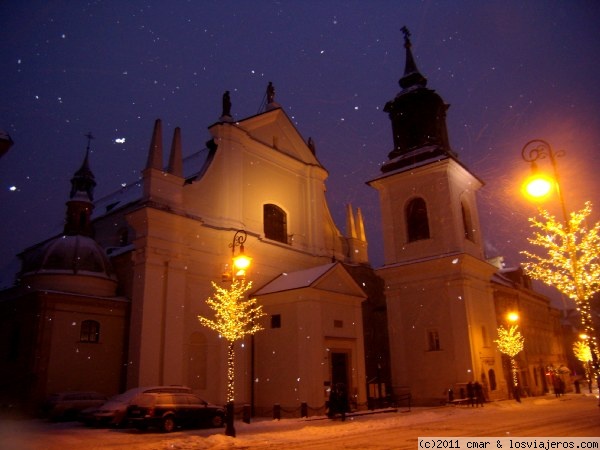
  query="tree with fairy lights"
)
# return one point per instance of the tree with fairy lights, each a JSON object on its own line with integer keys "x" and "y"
{"x": 235, "y": 318}
{"x": 510, "y": 342}
{"x": 583, "y": 353}
{"x": 570, "y": 263}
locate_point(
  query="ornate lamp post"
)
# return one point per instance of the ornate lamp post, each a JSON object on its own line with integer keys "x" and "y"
{"x": 235, "y": 316}
{"x": 538, "y": 186}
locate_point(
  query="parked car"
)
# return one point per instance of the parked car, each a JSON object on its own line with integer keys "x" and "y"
{"x": 68, "y": 405}
{"x": 168, "y": 411}
{"x": 114, "y": 411}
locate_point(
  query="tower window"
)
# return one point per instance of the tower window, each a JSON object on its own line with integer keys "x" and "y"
{"x": 90, "y": 331}
{"x": 416, "y": 220}
{"x": 467, "y": 222}
{"x": 275, "y": 223}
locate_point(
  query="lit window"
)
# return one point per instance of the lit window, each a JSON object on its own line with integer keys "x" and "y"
{"x": 417, "y": 222}
{"x": 90, "y": 331}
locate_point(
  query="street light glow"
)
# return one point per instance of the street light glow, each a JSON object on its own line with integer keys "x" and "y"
{"x": 512, "y": 316}
{"x": 538, "y": 187}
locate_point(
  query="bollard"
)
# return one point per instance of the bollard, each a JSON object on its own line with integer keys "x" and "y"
{"x": 246, "y": 414}
{"x": 276, "y": 411}
{"x": 303, "y": 409}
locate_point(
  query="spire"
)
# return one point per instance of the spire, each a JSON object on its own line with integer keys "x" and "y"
{"x": 350, "y": 226}
{"x": 83, "y": 180}
{"x": 155, "y": 154}
{"x": 412, "y": 76}
{"x": 175, "y": 159}
{"x": 80, "y": 206}
{"x": 360, "y": 225}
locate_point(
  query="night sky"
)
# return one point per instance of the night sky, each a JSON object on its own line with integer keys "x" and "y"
{"x": 511, "y": 70}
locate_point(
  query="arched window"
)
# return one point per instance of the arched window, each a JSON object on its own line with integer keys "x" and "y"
{"x": 416, "y": 220}
{"x": 467, "y": 222}
{"x": 90, "y": 331}
{"x": 275, "y": 223}
{"x": 197, "y": 362}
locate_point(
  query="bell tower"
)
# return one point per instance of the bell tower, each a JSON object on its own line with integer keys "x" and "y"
{"x": 439, "y": 299}
{"x": 428, "y": 198}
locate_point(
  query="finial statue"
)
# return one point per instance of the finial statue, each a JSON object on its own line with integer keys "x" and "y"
{"x": 270, "y": 93}
{"x": 226, "y": 105}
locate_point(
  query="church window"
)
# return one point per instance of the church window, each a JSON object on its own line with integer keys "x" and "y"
{"x": 433, "y": 341}
{"x": 467, "y": 222}
{"x": 275, "y": 223}
{"x": 416, "y": 220}
{"x": 276, "y": 321}
{"x": 90, "y": 331}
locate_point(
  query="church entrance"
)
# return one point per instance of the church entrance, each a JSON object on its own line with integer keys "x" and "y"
{"x": 339, "y": 369}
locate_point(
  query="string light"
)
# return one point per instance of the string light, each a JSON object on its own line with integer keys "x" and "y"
{"x": 235, "y": 317}
{"x": 510, "y": 342}
{"x": 571, "y": 263}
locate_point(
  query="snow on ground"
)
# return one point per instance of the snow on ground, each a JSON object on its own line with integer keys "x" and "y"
{"x": 571, "y": 415}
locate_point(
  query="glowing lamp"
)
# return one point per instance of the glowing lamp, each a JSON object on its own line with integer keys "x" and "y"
{"x": 538, "y": 186}
{"x": 512, "y": 316}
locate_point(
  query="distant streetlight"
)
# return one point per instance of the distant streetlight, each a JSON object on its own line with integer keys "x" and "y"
{"x": 579, "y": 281}
{"x": 513, "y": 317}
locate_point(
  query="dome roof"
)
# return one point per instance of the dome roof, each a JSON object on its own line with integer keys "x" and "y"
{"x": 70, "y": 254}
{"x": 70, "y": 263}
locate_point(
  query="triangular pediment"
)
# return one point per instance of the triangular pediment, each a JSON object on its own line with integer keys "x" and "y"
{"x": 274, "y": 129}
{"x": 329, "y": 277}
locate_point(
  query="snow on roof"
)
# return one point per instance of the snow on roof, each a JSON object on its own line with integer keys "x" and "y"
{"x": 295, "y": 280}
{"x": 131, "y": 192}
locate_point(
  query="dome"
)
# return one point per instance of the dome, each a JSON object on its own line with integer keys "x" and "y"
{"x": 70, "y": 263}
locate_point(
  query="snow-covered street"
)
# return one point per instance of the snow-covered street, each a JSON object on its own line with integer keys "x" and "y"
{"x": 570, "y": 415}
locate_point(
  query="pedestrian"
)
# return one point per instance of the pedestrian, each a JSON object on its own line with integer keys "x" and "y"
{"x": 470, "y": 393}
{"x": 478, "y": 394}
{"x": 333, "y": 402}
{"x": 342, "y": 398}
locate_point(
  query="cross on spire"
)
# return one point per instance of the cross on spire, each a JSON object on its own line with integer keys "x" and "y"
{"x": 90, "y": 137}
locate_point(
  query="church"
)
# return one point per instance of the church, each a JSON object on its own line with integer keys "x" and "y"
{"x": 113, "y": 301}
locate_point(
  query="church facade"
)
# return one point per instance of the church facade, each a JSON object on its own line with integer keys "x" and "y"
{"x": 421, "y": 324}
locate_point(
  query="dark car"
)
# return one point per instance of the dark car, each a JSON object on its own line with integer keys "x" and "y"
{"x": 68, "y": 405}
{"x": 168, "y": 411}
{"x": 113, "y": 412}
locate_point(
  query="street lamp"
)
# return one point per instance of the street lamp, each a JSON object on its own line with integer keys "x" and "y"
{"x": 539, "y": 187}
{"x": 240, "y": 262}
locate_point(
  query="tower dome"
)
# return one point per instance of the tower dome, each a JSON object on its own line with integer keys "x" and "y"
{"x": 70, "y": 263}
{"x": 73, "y": 262}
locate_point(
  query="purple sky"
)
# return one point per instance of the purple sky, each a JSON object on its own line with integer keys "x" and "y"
{"x": 511, "y": 70}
